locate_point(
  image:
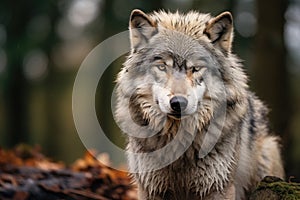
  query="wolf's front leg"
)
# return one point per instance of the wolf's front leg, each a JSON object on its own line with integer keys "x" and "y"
{"x": 228, "y": 194}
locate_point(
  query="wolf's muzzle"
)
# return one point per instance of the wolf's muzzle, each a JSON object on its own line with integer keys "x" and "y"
{"x": 178, "y": 103}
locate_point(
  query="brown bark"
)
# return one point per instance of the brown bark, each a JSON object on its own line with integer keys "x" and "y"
{"x": 269, "y": 70}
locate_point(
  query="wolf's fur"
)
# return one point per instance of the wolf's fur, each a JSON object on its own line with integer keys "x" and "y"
{"x": 166, "y": 50}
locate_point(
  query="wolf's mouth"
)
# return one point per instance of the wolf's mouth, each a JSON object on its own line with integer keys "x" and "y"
{"x": 177, "y": 116}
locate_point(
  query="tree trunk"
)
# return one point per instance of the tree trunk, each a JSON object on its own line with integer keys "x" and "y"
{"x": 15, "y": 84}
{"x": 269, "y": 71}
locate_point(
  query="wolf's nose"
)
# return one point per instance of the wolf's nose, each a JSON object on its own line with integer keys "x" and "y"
{"x": 178, "y": 103}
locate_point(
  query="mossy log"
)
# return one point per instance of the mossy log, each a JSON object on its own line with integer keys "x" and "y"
{"x": 273, "y": 188}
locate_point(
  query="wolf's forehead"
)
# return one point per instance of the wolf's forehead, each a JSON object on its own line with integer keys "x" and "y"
{"x": 178, "y": 46}
{"x": 191, "y": 24}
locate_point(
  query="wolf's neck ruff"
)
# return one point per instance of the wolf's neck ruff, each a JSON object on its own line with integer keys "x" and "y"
{"x": 185, "y": 98}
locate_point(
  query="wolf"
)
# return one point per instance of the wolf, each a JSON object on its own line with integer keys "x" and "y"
{"x": 194, "y": 129}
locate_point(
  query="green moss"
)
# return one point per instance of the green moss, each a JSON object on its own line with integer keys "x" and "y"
{"x": 284, "y": 190}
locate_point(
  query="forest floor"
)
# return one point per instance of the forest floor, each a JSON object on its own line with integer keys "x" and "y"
{"x": 25, "y": 174}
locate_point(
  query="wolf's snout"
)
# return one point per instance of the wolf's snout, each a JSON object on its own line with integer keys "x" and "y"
{"x": 178, "y": 103}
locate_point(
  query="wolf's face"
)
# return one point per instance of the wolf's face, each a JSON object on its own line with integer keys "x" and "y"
{"x": 176, "y": 69}
{"x": 172, "y": 73}
{"x": 178, "y": 87}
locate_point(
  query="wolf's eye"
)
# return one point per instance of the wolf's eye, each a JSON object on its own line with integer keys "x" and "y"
{"x": 162, "y": 67}
{"x": 157, "y": 58}
{"x": 196, "y": 69}
{"x": 199, "y": 81}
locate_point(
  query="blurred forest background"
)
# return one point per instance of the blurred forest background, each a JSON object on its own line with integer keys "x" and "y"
{"x": 43, "y": 43}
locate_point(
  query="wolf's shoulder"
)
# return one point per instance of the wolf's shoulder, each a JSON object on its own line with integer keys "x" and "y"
{"x": 258, "y": 116}
{"x": 257, "y": 104}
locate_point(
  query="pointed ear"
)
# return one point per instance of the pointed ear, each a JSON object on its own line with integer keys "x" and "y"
{"x": 220, "y": 31}
{"x": 141, "y": 28}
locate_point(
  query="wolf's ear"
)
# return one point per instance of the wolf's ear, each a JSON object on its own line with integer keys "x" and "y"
{"x": 220, "y": 31}
{"x": 141, "y": 28}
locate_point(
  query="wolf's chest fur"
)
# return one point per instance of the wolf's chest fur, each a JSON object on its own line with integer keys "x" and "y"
{"x": 190, "y": 175}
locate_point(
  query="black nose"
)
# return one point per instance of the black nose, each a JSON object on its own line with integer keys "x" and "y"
{"x": 178, "y": 103}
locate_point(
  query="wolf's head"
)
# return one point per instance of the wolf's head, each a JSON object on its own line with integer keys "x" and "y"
{"x": 178, "y": 65}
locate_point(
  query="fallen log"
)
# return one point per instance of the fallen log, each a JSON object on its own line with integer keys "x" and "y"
{"x": 26, "y": 174}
